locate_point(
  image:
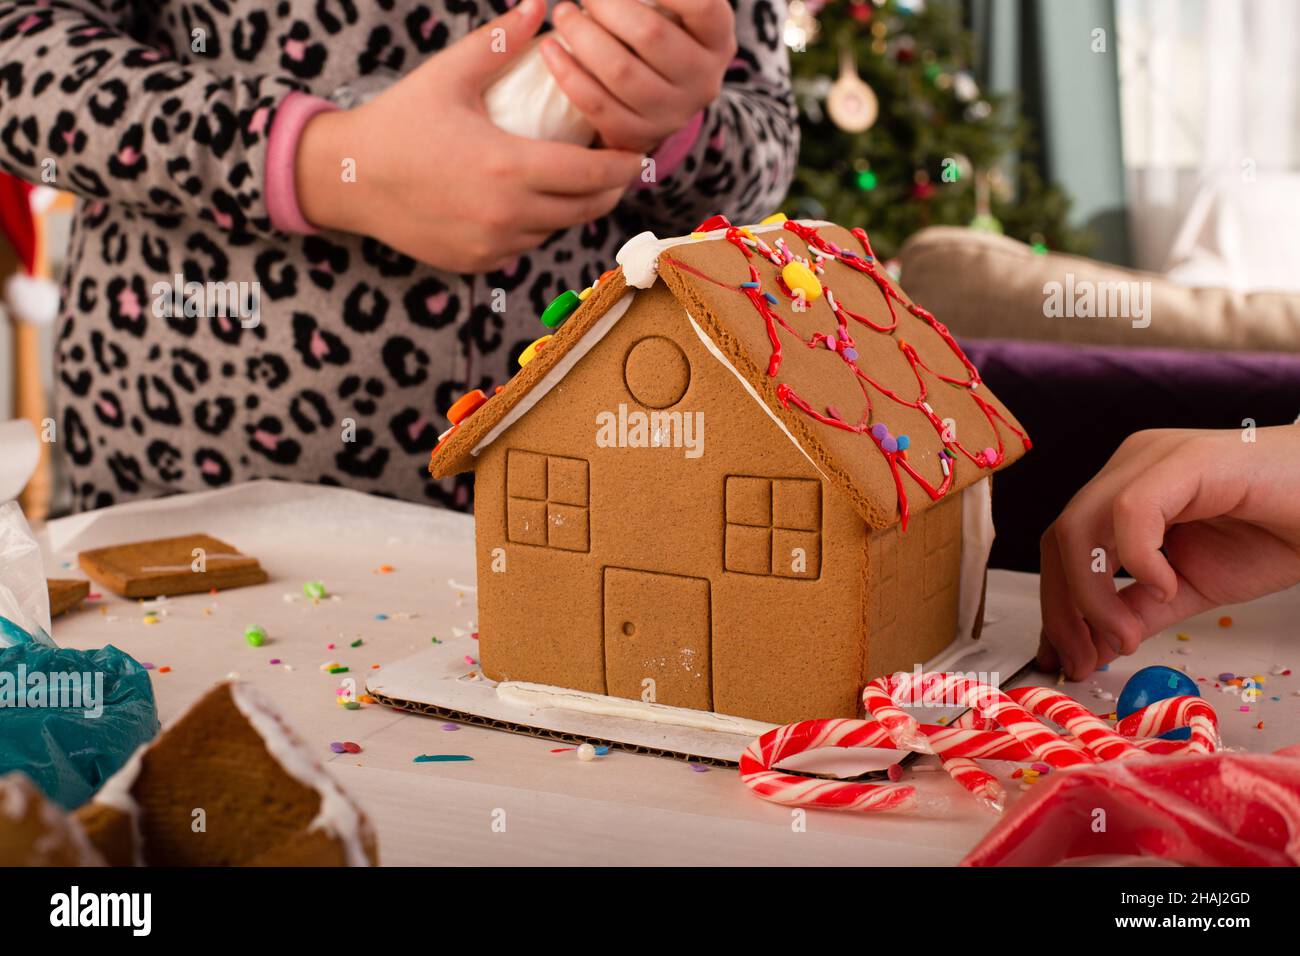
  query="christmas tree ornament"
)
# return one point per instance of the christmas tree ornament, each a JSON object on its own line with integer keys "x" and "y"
{"x": 801, "y": 26}
{"x": 922, "y": 188}
{"x": 851, "y": 104}
{"x": 860, "y": 10}
{"x": 964, "y": 86}
{"x": 979, "y": 110}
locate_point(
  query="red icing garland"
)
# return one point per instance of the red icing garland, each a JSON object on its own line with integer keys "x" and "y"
{"x": 843, "y": 344}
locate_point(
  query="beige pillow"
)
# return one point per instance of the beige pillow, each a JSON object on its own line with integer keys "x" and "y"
{"x": 986, "y": 286}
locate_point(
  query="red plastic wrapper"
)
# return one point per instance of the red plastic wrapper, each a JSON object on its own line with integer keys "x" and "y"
{"x": 1215, "y": 810}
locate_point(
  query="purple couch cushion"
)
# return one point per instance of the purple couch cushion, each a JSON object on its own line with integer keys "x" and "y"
{"x": 1079, "y": 402}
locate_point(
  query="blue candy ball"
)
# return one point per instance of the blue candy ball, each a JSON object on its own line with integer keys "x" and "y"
{"x": 1151, "y": 684}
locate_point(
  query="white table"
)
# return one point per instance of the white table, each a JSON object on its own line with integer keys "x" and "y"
{"x": 621, "y": 808}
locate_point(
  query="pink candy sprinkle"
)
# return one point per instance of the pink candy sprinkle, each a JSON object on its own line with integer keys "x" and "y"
{"x": 1040, "y": 767}
{"x": 469, "y": 660}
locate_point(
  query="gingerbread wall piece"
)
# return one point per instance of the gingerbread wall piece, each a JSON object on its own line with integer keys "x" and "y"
{"x": 696, "y": 492}
{"x": 189, "y": 564}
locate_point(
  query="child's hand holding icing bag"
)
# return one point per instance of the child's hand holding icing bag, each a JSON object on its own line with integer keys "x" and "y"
{"x": 437, "y": 180}
{"x": 640, "y": 71}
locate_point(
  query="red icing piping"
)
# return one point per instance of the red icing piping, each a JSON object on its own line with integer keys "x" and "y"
{"x": 841, "y": 341}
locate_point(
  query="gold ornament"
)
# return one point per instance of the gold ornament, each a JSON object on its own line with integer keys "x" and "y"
{"x": 852, "y": 105}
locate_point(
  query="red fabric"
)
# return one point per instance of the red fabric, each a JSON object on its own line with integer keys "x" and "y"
{"x": 1215, "y": 810}
{"x": 16, "y": 220}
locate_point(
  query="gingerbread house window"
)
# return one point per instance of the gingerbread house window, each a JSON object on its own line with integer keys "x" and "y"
{"x": 547, "y": 501}
{"x": 773, "y": 527}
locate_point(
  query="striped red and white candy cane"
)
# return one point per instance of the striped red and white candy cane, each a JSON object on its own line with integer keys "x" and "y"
{"x": 1163, "y": 716}
{"x": 1087, "y": 728}
{"x": 992, "y": 703}
{"x": 774, "y": 746}
{"x": 971, "y": 735}
{"x": 903, "y": 728}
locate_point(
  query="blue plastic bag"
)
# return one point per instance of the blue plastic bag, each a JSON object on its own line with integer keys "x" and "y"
{"x": 69, "y": 719}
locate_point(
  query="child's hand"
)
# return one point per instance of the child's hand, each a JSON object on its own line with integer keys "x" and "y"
{"x": 1225, "y": 511}
{"x": 435, "y": 178}
{"x": 637, "y": 76}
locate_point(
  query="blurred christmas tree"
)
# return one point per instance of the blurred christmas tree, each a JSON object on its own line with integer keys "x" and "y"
{"x": 897, "y": 134}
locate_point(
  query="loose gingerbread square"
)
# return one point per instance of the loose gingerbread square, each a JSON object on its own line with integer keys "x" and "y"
{"x": 65, "y": 594}
{"x": 189, "y": 564}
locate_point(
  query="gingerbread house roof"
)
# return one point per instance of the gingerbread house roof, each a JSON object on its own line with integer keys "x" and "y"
{"x": 871, "y": 387}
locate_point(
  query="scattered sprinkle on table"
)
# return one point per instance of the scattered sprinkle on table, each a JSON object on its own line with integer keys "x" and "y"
{"x": 337, "y": 747}
{"x": 165, "y": 669}
{"x": 586, "y": 752}
{"x": 352, "y": 705}
{"x": 147, "y": 665}
{"x": 381, "y": 617}
{"x": 441, "y": 758}
{"x": 470, "y": 660}
{"x": 314, "y": 590}
{"x": 339, "y": 669}
{"x": 385, "y": 569}
{"x": 554, "y": 750}
{"x": 699, "y": 768}
{"x": 435, "y": 640}
{"x": 450, "y": 727}
{"x": 357, "y": 643}
{"x": 1225, "y": 621}
{"x": 255, "y": 634}
{"x": 274, "y": 660}
{"x": 1184, "y": 637}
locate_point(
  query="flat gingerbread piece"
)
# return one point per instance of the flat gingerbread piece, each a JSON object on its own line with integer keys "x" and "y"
{"x": 190, "y": 564}
{"x": 65, "y": 594}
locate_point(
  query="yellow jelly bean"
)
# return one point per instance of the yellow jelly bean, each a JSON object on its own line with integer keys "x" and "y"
{"x": 798, "y": 276}
{"x": 585, "y": 294}
{"x": 773, "y": 219}
{"x": 530, "y": 353}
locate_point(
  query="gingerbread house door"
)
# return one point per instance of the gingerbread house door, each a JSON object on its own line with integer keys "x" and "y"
{"x": 657, "y": 638}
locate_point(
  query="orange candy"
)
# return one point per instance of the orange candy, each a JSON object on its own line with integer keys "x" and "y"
{"x": 465, "y": 406}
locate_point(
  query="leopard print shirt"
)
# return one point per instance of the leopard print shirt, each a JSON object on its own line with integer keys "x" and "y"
{"x": 358, "y": 348}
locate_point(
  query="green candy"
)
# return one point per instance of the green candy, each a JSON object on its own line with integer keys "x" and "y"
{"x": 561, "y": 307}
{"x": 314, "y": 589}
{"x": 255, "y": 635}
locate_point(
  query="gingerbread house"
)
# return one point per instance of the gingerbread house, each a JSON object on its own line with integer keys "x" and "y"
{"x": 744, "y": 474}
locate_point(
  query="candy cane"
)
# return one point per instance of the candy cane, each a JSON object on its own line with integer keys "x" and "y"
{"x": 775, "y": 745}
{"x": 993, "y": 703}
{"x": 1171, "y": 714}
{"x": 1085, "y": 726}
{"x": 973, "y": 735}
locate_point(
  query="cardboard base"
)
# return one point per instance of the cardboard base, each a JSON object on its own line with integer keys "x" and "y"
{"x": 438, "y": 683}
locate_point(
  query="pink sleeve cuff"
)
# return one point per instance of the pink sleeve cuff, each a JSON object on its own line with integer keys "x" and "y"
{"x": 673, "y": 151}
{"x": 281, "y": 152}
